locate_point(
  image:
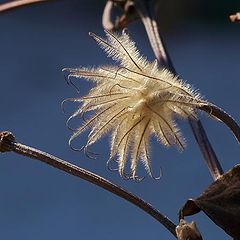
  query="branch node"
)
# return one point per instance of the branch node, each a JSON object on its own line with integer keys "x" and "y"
{"x": 6, "y": 140}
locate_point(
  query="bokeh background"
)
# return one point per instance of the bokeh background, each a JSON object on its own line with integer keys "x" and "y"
{"x": 36, "y": 42}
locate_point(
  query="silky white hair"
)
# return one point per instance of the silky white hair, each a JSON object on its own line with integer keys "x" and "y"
{"x": 133, "y": 100}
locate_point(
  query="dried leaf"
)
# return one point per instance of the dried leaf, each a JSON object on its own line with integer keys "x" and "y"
{"x": 221, "y": 202}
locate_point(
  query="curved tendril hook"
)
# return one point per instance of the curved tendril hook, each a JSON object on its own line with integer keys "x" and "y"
{"x": 155, "y": 177}
{"x": 124, "y": 175}
{"x": 137, "y": 179}
{"x": 109, "y": 161}
{"x": 73, "y": 148}
{"x": 67, "y": 100}
{"x": 67, "y": 77}
{"x": 89, "y": 154}
{"x": 68, "y": 124}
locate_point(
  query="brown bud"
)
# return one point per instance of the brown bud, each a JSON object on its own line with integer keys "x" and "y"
{"x": 187, "y": 231}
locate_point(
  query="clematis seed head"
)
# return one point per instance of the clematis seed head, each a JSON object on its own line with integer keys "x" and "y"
{"x": 133, "y": 100}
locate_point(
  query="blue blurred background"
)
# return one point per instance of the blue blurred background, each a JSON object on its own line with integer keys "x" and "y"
{"x": 40, "y": 202}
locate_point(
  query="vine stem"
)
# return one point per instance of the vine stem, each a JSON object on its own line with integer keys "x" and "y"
{"x": 145, "y": 11}
{"x": 8, "y": 144}
{"x": 18, "y": 3}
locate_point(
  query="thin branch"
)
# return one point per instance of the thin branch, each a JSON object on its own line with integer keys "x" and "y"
{"x": 208, "y": 153}
{"x": 154, "y": 37}
{"x": 8, "y": 143}
{"x": 18, "y": 3}
{"x": 223, "y": 116}
{"x": 106, "y": 17}
{"x": 147, "y": 16}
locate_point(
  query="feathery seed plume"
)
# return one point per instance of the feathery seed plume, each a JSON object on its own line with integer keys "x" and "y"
{"x": 133, "y": 100}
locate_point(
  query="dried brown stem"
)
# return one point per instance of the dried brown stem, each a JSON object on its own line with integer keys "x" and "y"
{"x": 18, "y": 3}
{"x": 106, "y": 17}
{"x": 220, "y": 114}
{"x": 8, "y": 143}
{"x": 154, "y": 37}
{"x": 208, "y": 153}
